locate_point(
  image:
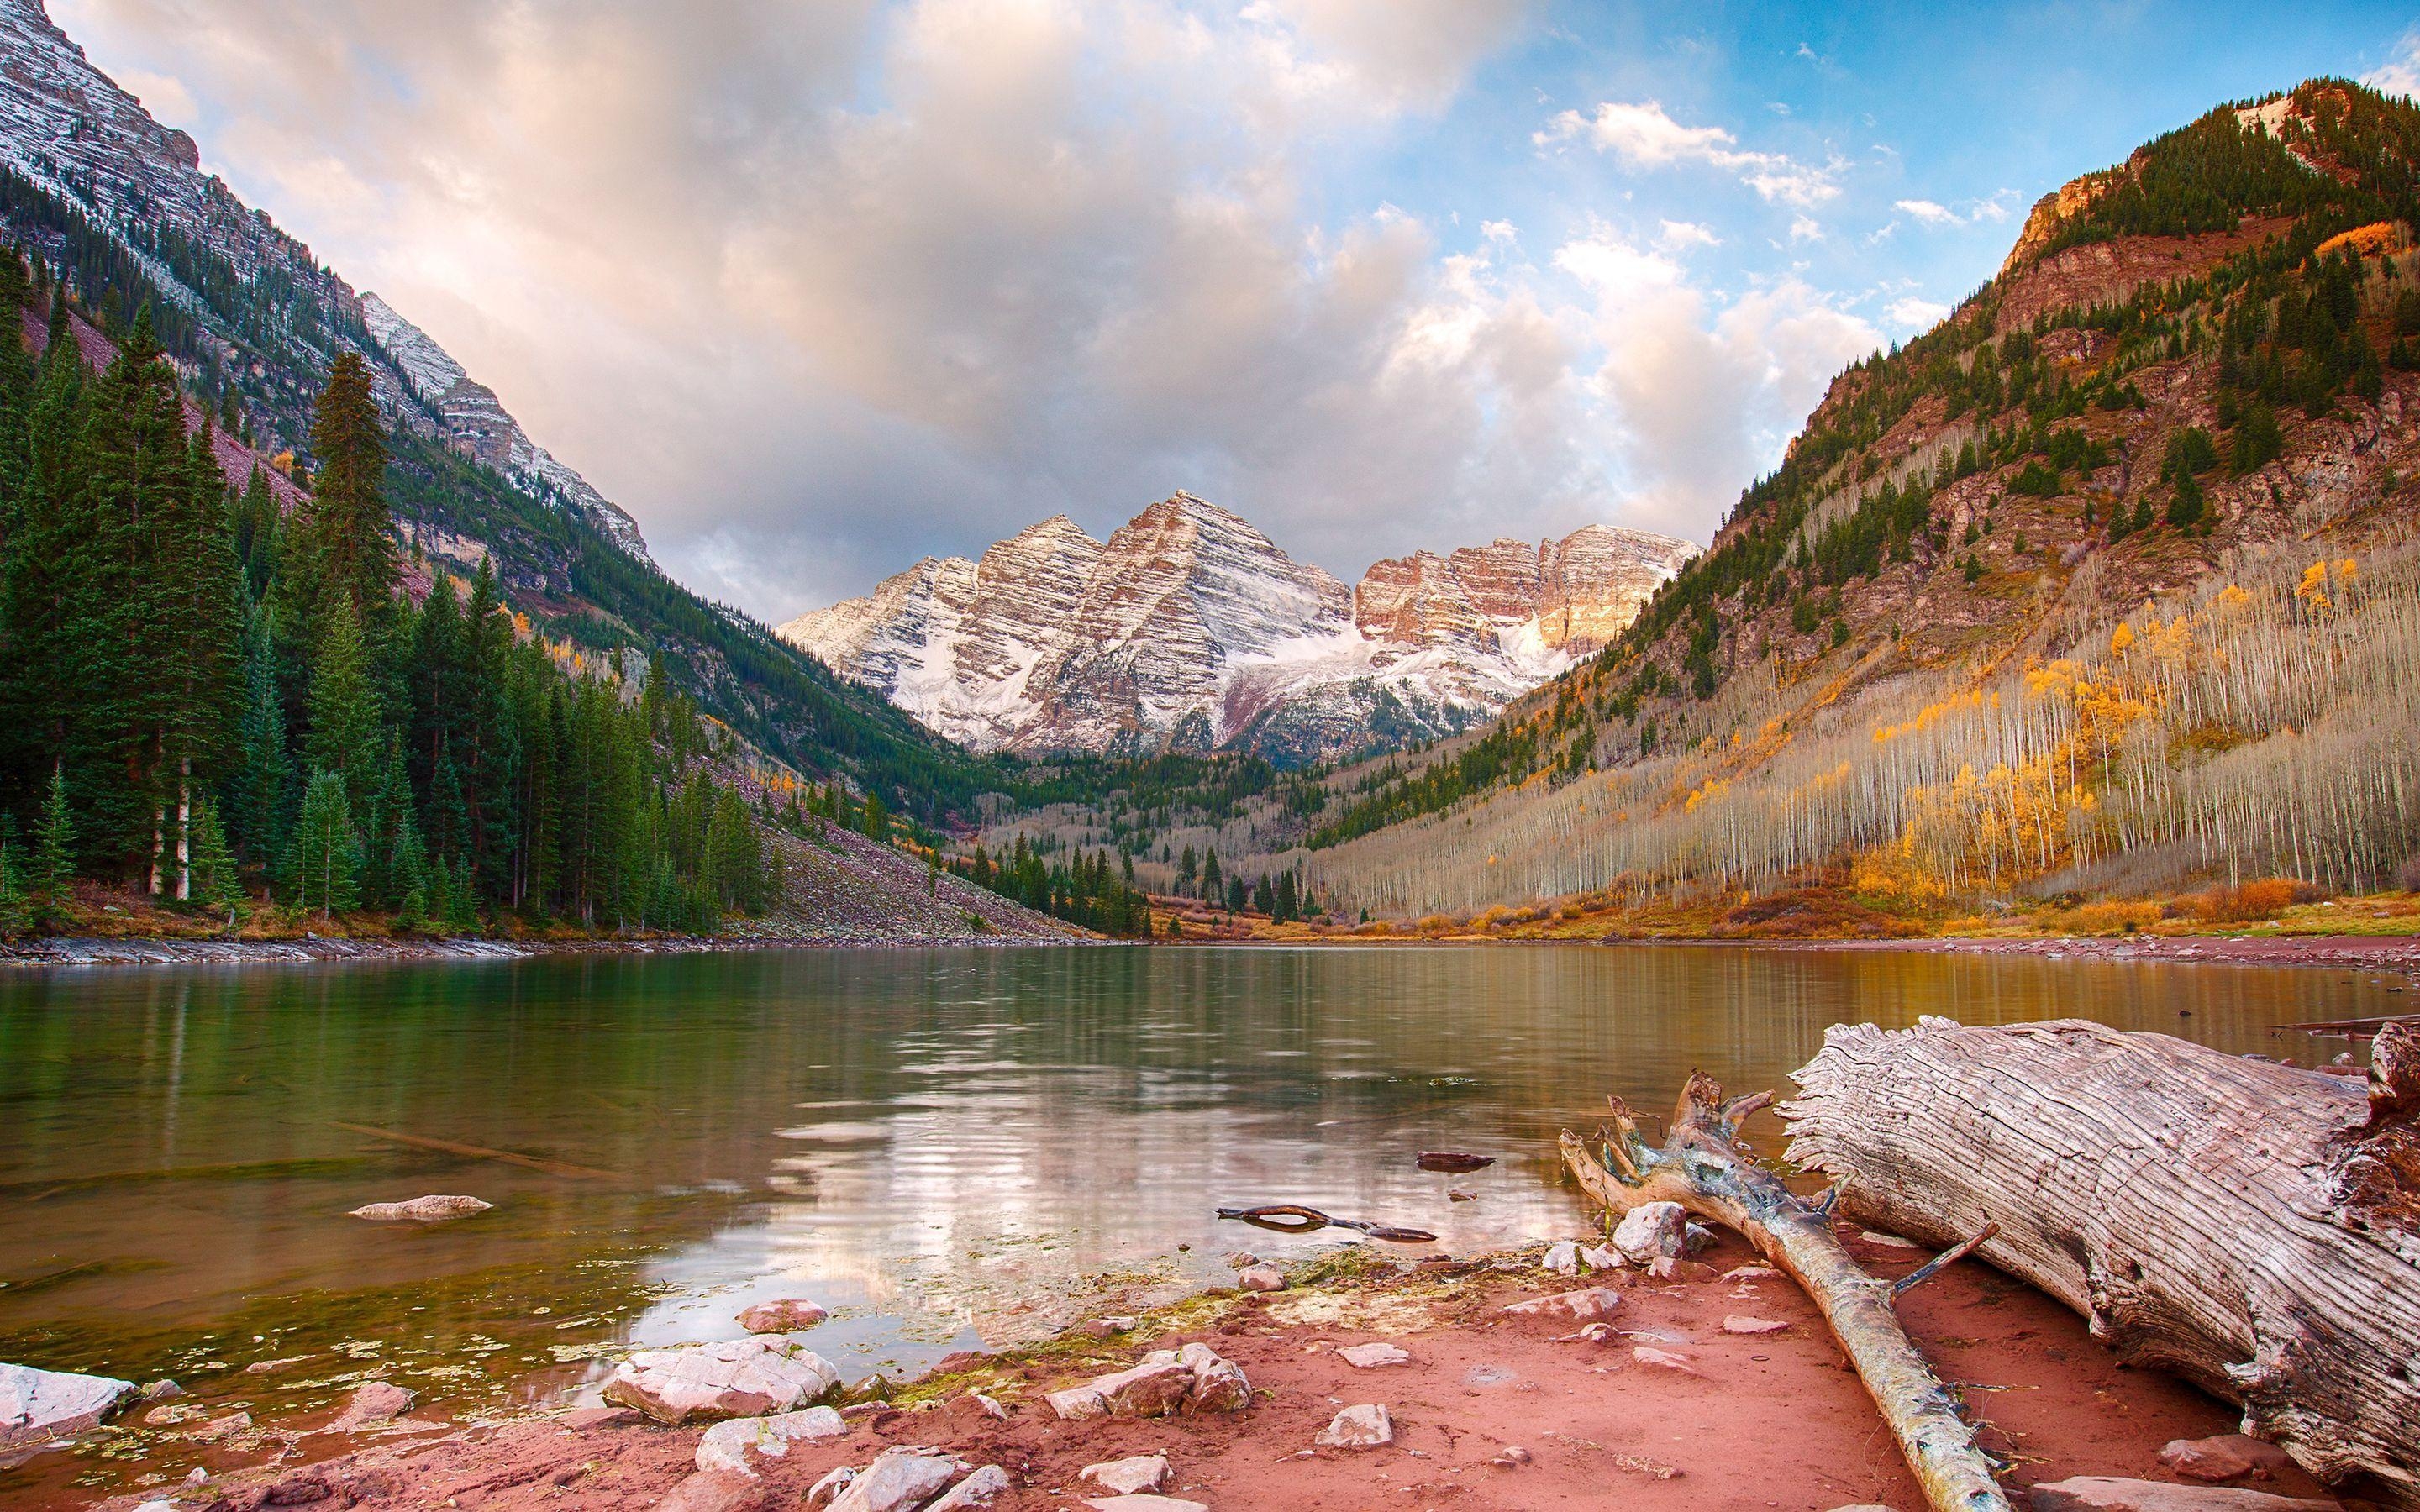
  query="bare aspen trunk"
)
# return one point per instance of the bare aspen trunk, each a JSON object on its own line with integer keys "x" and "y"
{"x": 2252, "y": 1226}
{"x": 1701, "y": 1167}
{"x": 185, "y": 829}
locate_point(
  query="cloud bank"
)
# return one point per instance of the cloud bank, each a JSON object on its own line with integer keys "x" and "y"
{"x": 817, "y": 289}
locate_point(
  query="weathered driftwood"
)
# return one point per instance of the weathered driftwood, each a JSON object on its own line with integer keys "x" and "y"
{"x": 2249, "y": 1225}
{"x": 1702, "y": 1168}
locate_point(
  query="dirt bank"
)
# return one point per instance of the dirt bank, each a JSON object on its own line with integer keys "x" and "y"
{"x": 1749, "y": 1421}
{"x": 2398, "y": 953}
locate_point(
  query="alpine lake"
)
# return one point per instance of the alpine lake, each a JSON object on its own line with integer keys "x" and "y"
{"x": 949, "y": 1148}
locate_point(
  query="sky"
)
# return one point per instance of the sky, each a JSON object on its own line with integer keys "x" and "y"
{"x": 814, "y": 289}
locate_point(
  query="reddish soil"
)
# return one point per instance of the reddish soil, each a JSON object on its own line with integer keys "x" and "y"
{"x": 1774, "y": 1421}
{"x": 2398, "y": 954}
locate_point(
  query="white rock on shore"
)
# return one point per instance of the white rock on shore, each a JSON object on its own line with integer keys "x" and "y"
{"x": 1195, "y": 1378}
{"x": 1651, "y": 1231}
{"x": 898, "y": 1478}
{"x": 39, "y": 1405}
{"x": 1140, "y": 1473}
{"x": 979, "y": 1488}
{"x": 729, "y": 1445}
{"x": 753, "y": 1377}
{"x": 1368, "y": 1425}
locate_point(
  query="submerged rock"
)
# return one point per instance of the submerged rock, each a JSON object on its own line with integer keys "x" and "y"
{"x": 373, "y": 1401}
{"x": 738, "y": 1377}
{"x": 431, "y": 1209}
{"x": 786, "y": 1315}
{"x": 1367, "y": 1426}
{"x": 39, "y": 1405}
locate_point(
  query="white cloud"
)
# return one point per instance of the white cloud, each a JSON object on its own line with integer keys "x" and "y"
{"x": 1501, "y": 232}
{"x": 2400, "y": 73}
{"x": 1681, "y": 234}
{"x": 1644, "y": 135}
{"x": 1910, "y": 313}
{"x": 1804, "y": 228}
{"x": 1929, "y": 213}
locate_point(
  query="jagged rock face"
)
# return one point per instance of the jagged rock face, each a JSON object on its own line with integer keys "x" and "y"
{"x": 476, "y": 422}
{"x": 70, "y": 129}
{"x": 1189, "y": 628}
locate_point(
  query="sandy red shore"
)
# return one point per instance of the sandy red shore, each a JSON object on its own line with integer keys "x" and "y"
{"x": 1775, "y": 1421}
{"x": 2398, "y": 954}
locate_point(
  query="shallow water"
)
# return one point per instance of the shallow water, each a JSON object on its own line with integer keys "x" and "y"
{"x": 947, "y": 1148}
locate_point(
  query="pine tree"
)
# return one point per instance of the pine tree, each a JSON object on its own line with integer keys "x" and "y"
{"x": 326, "y": 862}
{"x": 216, "y": 882}
{"x": 260, "y": 790}
{"x": 350, "y": 541}
{"x": 50, "y": 884}
{"x": 198, "y": 600}
{"x": 344, "y": 737}
{"x": 407, "y": 875}
{"x": 878, "y": 819}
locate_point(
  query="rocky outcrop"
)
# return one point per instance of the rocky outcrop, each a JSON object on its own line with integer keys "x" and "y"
{"x": 40, "y": 1406}
{"x": 1189, "y": 628}
{"x": 754, "y": 1376}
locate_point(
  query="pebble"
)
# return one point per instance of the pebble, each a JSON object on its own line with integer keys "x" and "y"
{"x": 1374, "y": 1356}
{"x": 1661, "y": 1359}
{"x": 1367, "y": 1426}
{"x": 1510, "y": 1456}
{"x": 1461, "y": 1194}
{"x": 1104, "y": 1328}
{"x": 1261, "y": 1278}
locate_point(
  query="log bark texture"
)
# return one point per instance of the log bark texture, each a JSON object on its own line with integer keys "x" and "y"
{"x": 1701, "y": 1167}
{"x": 2251, "y": 1226}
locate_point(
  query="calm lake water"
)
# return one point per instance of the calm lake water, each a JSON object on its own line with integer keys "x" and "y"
{"x": 947, "y": 1148}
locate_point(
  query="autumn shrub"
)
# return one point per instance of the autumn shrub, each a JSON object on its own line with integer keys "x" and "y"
{"x": 1571, "y": 912}
{"x": 2249, "y": 902}
{"x": 2113, "y": 917}
{"x": 1436, "y": 925}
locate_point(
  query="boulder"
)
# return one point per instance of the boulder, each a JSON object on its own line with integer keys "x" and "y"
{"x": 1696, "y": 1239}
{"x": 728, "y": 1444}
{"x": 2227, "y": 1457}
{"x": 713, "y": 1490}
{"x": 39, "y": 1405}
{"x": 898, "y": 1480}
{"x": 433, "y": 1209}
{"x": 1590, "y": 1304}
{"x": 738, "y": 1377}
{"x": 1741, "y": 1323}
{"x": 1148, "y": 1390}
{"x": 2111, "y": 1493}
{"x": 1663, "y": 1359}
{"x": 1144, "y": 1504}
{"x": 1651, "y": 1231}
{"x": 1141, "y": 1472}
{"x": 1562, "y": 1258}
{"x": 372, "y": 1402}
{"x": 1261, "y": 1278}
{"x": 1374, "y": 1356}
{"x": 1365, "y": 1427}
{"x": 981, "y": 1489}
{"x": 1219, "y": 1383}
{"x": 789, "y": 1314}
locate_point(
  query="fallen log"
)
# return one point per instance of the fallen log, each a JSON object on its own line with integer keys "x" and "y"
{"x": 2251, "y": 1226}
{"x": 1702, "y": 1168}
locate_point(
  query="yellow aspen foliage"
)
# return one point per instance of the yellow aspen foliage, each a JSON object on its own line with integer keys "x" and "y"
{"x": 2121, "y": 640}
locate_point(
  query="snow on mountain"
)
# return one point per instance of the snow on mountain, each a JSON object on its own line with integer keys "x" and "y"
{"x": 266, "y": 314}
{"x": 1191, "y": 629}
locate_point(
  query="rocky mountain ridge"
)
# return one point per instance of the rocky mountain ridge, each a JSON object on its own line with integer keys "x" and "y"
{"x": 1189, "y": 629}
{"x": 256, "y": 312}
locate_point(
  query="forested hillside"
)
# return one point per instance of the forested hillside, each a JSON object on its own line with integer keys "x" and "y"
{"x": 2109, "y": 581}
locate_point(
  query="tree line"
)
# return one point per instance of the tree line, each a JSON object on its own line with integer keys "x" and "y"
{"x": 215, "y": 702}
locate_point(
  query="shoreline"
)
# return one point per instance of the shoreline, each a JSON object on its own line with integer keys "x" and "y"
{"x": 1719, "y": 1390}
{"x": 2385, "y": 953}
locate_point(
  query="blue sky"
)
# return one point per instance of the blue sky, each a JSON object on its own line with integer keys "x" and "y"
{"x": 815, "y": 289}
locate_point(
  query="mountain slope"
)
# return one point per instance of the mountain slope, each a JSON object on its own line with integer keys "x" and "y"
{"x": 118, "y": 205}
{"x": 1189, "y": 630}
{"x": 2100, "y": 583}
